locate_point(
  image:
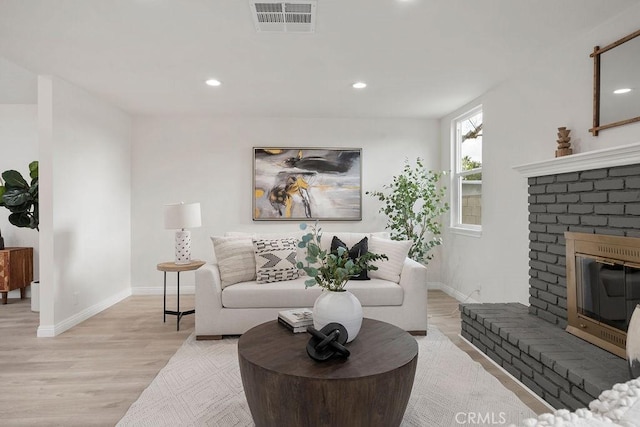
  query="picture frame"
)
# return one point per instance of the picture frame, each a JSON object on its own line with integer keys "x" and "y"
{"x": 305, "y": 183}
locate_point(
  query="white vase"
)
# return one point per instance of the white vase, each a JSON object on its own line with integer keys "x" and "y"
{"x": 633, "y": 343}
{"x": 35, "y": 296}
{"x": 340, "y": 307}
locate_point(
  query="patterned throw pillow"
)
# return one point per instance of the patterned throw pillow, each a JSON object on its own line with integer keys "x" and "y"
{"x": 275, "y": 259}
{"x": 359, "y": 249}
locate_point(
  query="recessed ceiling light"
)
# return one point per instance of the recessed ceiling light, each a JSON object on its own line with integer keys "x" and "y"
{"x": 624, "y": 90}
{"x": 359, "y": 85}
{"x": 213, "y": 82}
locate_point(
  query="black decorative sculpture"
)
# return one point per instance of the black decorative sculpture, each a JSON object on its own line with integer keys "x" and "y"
{"x": 327, "y": 342}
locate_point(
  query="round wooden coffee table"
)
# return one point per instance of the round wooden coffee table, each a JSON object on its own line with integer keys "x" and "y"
{"x": 285, "y": 387}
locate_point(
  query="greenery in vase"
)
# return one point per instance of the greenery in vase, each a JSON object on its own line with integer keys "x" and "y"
{"x": 331, "y": 270}
{"x": 413, "y": 203}
{"x": 21, "y": 197}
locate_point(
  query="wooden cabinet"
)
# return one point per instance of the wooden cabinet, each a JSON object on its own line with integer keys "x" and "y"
{"x": 16, "y": 270}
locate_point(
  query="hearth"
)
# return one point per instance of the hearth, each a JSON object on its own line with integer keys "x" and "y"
{"x": 603, "y": 287}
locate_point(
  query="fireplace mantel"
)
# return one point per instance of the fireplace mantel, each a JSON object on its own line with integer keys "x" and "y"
{"x": 604, "y": 158}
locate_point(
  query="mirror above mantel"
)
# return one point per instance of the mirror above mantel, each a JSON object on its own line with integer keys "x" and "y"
{"x": 616, "y": 83}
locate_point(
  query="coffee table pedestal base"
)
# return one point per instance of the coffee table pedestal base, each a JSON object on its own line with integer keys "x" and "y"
{"x": 283, "y": 400}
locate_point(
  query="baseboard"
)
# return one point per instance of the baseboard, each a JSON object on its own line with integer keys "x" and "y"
{"x": 48, "y": 331}
{"x": 158, "y": 290}
{"x": 452, "y": 292}
{"x": 538, "y": 398}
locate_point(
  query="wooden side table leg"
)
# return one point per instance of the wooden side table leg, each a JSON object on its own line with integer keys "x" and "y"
{"x": 4, "y": 297}
{"x": 23, "y": 293}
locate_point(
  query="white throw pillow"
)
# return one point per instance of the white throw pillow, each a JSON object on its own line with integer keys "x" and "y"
{"x": 275, "y": 259}
{"x": 235, "y": 259}
{"x": 396, "y": 250}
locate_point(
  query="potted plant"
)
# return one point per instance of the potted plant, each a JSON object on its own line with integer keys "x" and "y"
{"x": 331, "y": 271}
{"x": 21, "y": 199}
{"x": 413, "y": 203}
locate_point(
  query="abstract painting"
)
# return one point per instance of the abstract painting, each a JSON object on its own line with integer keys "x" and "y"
{"x": 307, "y": 183}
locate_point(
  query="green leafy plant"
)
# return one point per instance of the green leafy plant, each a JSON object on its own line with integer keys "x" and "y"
{"x": 468, "y": 164}
{"x": 331, "y": 270}
{"x": 413, "y": 204}
{"x": 21, "y": 197}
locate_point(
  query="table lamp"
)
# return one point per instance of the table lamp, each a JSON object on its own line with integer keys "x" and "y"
{"x": 179, "y": 216}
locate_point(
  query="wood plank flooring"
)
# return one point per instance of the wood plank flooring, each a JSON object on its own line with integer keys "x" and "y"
{"x": 91, "y": 374}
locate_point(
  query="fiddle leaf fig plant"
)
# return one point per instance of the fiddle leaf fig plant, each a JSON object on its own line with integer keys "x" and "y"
{"x": 413, "y": 203}
{"x": 21, "y": 197}
{"x": 331, "y": 270}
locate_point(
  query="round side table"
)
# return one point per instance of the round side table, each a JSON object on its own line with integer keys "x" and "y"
{"x": 178, "y": 268}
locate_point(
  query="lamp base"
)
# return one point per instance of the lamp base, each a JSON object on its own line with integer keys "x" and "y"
{"x": 183, "y": 247}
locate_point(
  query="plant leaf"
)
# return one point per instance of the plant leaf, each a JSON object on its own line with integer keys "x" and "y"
{"x": 13, "y": 178}
{"x": 33, "y": 170}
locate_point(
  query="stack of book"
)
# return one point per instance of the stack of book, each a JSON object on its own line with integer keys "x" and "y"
{"x": 296, "y": 320}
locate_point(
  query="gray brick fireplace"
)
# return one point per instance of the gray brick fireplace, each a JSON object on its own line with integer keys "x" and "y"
{"x": 594, "y": 193}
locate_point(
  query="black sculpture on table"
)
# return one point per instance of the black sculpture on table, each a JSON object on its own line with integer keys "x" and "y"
{"x": 327, "y": 342}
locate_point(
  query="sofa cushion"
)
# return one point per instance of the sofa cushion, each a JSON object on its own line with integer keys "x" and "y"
{"x": 235, "y": 258}
{"x": 292, "y": 294}
{"x": 356, "y": 251}
{"x": 396, "y": 251}
{"x": 275, "y": 259}
{"x": 301, "y": 253}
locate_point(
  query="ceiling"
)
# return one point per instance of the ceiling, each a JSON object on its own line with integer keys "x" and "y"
{"x": 420, "y": 58}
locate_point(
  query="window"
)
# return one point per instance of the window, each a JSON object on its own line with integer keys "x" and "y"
{"x": 466, "y": 203}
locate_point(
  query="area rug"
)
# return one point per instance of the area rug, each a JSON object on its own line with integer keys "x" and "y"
{"x": 201, "y": 386}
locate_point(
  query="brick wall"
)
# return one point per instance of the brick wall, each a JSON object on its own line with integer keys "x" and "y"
{"x": 600, "y": 201}
{"x": 472, "y": 209}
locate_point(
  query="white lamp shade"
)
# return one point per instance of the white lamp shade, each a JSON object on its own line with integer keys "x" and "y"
{"x": 182, "y": 215}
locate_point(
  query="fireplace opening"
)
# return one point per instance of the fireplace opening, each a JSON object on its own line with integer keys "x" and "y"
{"x": 603, "y": 288}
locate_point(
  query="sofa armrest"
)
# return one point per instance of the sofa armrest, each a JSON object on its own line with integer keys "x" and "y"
{"x": 208, "y": 285}
{"x": 413, "y": 274}
{"x": 413, "y": 280}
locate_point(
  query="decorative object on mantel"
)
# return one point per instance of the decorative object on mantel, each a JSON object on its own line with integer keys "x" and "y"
{"x": 633, "y": 343}
{"x": 327, "y": 342}
{"x": 564, "y": 146}
{"x": 331, "y": 271}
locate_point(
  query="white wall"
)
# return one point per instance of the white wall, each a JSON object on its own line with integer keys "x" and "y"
{"x": 521, "y": 118}
{"x": 209, "y": 160}
{"x": 85, "y": 199}
{"x": 17, "y": 85}
{"x": 19, "y": 147}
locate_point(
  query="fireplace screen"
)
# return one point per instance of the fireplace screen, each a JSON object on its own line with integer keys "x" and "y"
{"x": 603, "y": 288}
{"x": 607, "y": 292}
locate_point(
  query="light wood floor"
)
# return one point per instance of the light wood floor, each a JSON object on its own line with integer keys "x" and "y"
{"x": 91, "y": 374}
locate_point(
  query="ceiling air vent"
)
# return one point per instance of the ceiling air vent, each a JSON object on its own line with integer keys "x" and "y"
{"x": 284, "y": 17}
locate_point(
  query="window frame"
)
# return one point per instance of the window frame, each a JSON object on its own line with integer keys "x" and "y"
{"x": 457, "y": 175}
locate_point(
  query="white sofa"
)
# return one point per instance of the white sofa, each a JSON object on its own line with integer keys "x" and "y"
{"x": 235, "y": 308}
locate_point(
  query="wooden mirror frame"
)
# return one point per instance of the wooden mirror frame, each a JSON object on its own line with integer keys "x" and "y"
{"x": 597, "y": 51}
